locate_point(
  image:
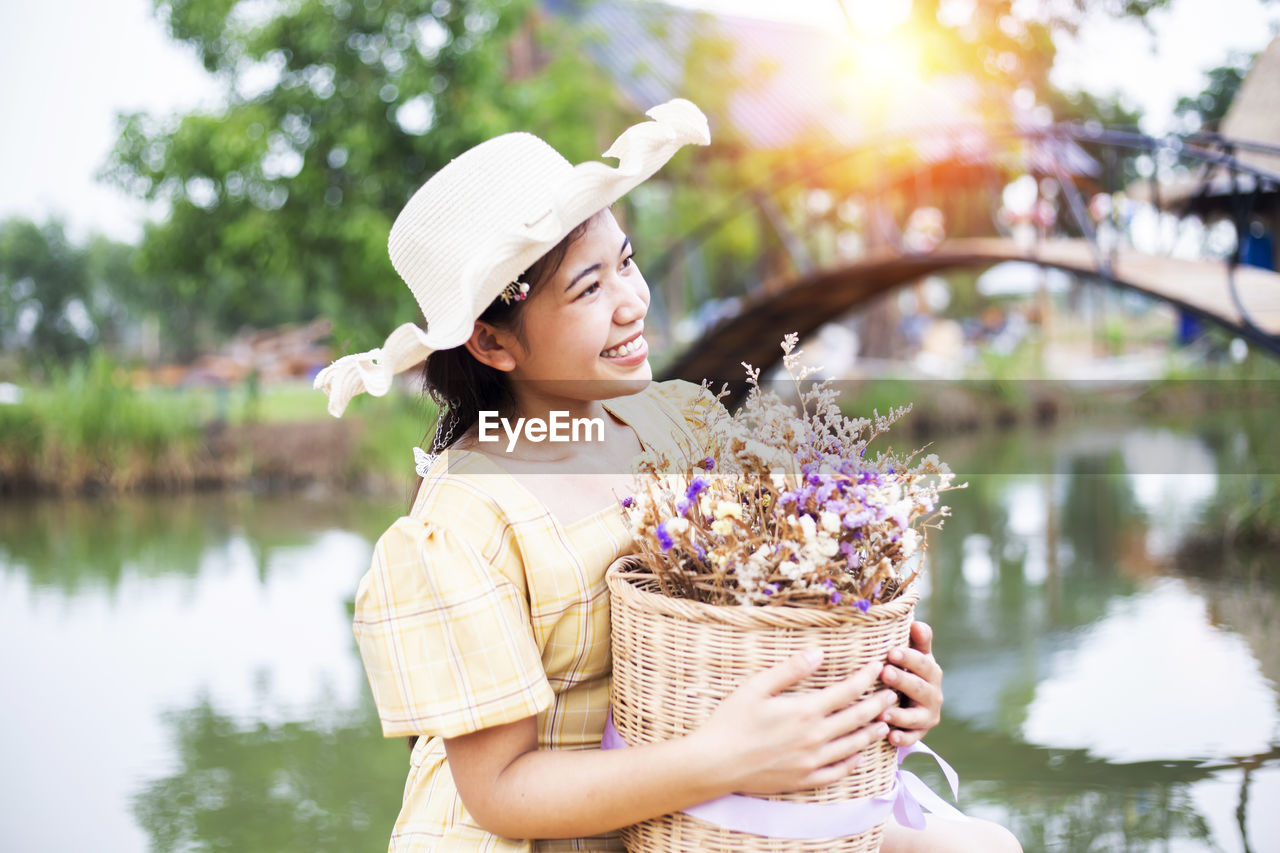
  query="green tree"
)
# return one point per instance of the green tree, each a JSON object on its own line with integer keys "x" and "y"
{"x": 44, "y": 293}
{"x": 59, "y": 299}
{"x": 334, "y": 113}
{"x": 1207, "y": 109}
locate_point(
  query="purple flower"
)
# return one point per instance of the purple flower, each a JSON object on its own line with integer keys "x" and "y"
{"x": 850, "y": 554}
{"x": 828, "y": 584}
{"x": 700, "y": 551}
{"x": 836, "y": 598}
{"x": 854, "y": 520}
{"x": 627, "y": 502}
{"x": 770, "y": 589}
{"x": 664, "y": 538}
{"x": 864, "y": 605}
{"x": 682, "y": 506}
{"x": 709, "y": 464}
{"x": 695, "y": 488}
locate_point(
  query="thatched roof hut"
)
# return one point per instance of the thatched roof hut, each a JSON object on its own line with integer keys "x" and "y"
{"x": 1253, "y": 117}
{"x": 1255, "y": 113}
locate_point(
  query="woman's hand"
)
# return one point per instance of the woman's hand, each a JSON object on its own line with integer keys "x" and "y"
{"x": 766, "y": 743}
{"x": 914, "y": 673}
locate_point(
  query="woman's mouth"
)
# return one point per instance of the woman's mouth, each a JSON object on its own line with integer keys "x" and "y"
{"x": 631, "y": 351}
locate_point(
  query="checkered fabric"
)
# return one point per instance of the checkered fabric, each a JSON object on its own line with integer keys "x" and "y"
{"x": 481, "y": 608}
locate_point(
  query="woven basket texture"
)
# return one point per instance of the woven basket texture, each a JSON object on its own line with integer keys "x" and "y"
{"x": 674, "y": 660}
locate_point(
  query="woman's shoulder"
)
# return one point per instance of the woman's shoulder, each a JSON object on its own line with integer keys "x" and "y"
{"x": 690, "y": 399}
{"x": 461, "y": 513}
{"x": 471, "y": 496}
{"x": 677, "y": 406}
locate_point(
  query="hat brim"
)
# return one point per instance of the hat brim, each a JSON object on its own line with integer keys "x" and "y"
{"x": 589, "y": 187}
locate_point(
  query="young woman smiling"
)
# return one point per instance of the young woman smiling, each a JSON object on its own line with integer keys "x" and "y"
{"x": 483, "y": 621}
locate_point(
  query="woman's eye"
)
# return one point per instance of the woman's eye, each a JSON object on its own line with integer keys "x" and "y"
{"x": 588, "y": 290}
{"x": 629, "y": 261}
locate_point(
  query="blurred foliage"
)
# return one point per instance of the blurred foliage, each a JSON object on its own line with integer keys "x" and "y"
{"x": 1207, "y": 109}
{"x": 335, "y": 113}
{"x": 280, "y": 199}
{"x": 59, "y": 299}
{"x": 87, "y": 428}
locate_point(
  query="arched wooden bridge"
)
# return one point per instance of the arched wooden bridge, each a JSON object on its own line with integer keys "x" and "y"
{"x": 753, "y": 334}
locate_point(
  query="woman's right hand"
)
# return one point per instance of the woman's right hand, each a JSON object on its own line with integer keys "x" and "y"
{"x": 761, "y": 741}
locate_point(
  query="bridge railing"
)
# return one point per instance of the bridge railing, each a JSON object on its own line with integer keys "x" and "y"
{"x": 1052, "y": 150}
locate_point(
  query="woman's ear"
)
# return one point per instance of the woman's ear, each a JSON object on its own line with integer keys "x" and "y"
{"x": 492, "y": 346}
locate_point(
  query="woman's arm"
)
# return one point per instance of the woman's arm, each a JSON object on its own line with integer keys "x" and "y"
{"x": 918, "y": 677}
{"x": 756, "y": 741}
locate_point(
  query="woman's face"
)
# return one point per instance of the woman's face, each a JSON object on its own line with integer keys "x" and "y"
{"x": 581, "y": 329}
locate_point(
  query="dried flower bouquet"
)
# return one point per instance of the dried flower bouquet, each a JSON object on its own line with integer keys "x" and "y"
{"x": 787, "y": 507}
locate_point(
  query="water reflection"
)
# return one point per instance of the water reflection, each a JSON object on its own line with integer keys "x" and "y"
{"x": 1106, "y": 689}
{"x": 273, "y": 788}
{"x": 1154, "y": 679}
{"x": 188, "y": 679}
{"x": 143, "y": 622}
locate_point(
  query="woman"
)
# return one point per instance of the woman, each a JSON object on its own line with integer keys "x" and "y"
{"x": 483, "y": 621}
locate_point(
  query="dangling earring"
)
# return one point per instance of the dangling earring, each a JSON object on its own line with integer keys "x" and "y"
{"x": 446, "y": 408}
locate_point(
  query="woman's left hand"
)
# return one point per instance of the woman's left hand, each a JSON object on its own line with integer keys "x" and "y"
{"x": 916, "y": 675}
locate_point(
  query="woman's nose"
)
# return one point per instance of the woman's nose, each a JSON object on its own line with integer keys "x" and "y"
{"x": 633, "y": 301}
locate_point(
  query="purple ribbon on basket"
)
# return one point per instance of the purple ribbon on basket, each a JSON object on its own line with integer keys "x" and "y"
{"x": 906, "y": 801}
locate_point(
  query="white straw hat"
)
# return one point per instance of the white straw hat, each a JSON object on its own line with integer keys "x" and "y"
{"x": 484, "y": 219}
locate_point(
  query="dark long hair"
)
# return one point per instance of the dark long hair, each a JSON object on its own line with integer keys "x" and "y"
{"x": 455, "y": 378}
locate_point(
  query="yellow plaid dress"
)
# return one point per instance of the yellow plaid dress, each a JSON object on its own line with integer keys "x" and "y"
{"x": 481, "y": 608}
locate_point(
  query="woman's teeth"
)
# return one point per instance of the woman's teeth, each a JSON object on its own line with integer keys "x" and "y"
{"x": 625, "y": 349}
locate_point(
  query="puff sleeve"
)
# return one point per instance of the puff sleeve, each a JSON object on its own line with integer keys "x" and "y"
{"x": 445, "y": 636}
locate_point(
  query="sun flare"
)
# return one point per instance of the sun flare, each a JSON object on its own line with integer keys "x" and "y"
{"x": 877, "y": 17}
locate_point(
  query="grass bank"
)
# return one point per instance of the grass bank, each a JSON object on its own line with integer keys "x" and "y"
{"x": 88, "y": 432}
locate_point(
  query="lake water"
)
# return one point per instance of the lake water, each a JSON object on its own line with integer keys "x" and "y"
{"x": 179, "y": 673}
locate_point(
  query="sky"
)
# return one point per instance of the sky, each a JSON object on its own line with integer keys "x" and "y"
{"x": 70, "y": 66}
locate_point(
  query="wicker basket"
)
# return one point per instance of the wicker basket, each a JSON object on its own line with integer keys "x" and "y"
{"x": 675, "y": 659}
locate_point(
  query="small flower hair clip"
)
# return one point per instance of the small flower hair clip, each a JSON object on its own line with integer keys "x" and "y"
{"x": 516, "y": 291}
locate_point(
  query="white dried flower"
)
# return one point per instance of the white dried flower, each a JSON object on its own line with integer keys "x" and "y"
{"x": 910, "y": 542}
{"x": 728, "y": 509}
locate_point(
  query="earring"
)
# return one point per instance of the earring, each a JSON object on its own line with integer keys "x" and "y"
{"x": 423, "y": 460}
